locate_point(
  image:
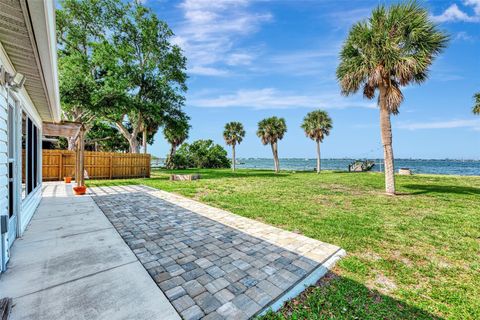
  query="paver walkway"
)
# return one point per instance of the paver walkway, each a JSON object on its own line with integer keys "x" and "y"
{"x": 209, "y": 262}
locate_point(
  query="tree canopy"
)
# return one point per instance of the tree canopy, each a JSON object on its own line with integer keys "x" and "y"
{"x": 117, "y": 61}
{"x": 392, "y": 48}
{"x": 233, "y": 133}
{"x": 476, "y": 106}
{"x": 317, "y": 124}
{"x": 272, "y": 129}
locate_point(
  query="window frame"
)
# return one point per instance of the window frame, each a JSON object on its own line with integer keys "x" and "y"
{"x": 31, "y": 168}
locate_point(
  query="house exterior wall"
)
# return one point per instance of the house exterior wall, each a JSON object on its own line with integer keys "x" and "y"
{"x": 26, "y": 207}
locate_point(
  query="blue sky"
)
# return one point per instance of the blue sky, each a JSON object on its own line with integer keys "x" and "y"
{"x": 248, "y": 60}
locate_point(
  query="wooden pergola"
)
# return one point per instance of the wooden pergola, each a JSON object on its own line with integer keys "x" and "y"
{"x": 74, "y": 130}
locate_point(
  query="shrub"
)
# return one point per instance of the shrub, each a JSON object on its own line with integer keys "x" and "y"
{"x": 201, "y": 154}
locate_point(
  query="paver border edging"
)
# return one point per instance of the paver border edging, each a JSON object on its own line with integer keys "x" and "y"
{"x": 304, "y": 283}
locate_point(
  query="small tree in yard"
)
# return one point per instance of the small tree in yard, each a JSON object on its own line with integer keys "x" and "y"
{"x": 393, "y": 48}
{"x": 317, "y": 124}
{"x": 176, "y": 132}
{"x": 233, "y": 135}
{"x": 476, "y": 106}
{"x": 270, "y": 130}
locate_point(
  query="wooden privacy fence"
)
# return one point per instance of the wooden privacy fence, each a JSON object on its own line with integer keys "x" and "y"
{"x": 57, "y": 164}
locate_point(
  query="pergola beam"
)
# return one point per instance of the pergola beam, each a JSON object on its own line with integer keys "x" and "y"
{"x": 62, "y": 129}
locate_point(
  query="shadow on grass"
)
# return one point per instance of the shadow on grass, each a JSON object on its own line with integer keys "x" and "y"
{"x": 336, "y": 297}
{"x": 425, "y": 189}
{"x": 221, "y": 174}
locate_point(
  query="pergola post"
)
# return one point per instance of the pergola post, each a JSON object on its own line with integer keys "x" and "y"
{"x": 82, "y": 157}
{"x": 77, "y": 161}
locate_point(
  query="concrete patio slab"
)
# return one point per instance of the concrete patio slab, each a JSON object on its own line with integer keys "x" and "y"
{"x": 88, "y": 219}
{"x": 72, "y": 264}
{"x": 124, "y": 292}
{"x": 210, "y": 262}
{"x": 69, "y": 258}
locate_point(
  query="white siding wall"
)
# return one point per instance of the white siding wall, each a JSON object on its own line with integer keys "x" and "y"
{"x": 27, "y": 206}
{"x": 3, "y": 152}
{"x": 3, "y": 174}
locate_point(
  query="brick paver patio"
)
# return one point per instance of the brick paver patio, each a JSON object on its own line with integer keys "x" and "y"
{"x": 210, "y": 263}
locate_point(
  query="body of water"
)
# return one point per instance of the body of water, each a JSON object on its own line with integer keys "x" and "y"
{"x": 456, "y": 167}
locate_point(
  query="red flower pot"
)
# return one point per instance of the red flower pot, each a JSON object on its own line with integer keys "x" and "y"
{"x": 79, "y": 190}
{"x": 67, "y": 179}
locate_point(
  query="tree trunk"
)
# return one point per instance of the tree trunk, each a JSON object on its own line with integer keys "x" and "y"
{"x": 233, "y": 157}
{"x": 71, "y": 143}
{"x": 386, "y": 129}
{"x": 134, "y": 145}
{"x": 144, "y": 141}
{"x": 131, "y": 137}
{"x": 318, "y": 156}
{"x": 274, "y": 159}
{"x": 171, "y": 154}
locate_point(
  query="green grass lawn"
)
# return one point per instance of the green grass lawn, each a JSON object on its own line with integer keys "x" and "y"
{"x": 415, "y": 255}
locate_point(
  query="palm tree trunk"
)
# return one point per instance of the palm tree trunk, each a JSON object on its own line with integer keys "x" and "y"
{"x": 386, "y": 129}
{"x": 318, "y": 156}
{"x": 274, "y": 158}
{"x": 233, "y": 157}
{"x": 171, "y": 154}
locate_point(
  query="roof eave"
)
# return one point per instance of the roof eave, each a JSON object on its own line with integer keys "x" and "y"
{"x": 41, "y": 16}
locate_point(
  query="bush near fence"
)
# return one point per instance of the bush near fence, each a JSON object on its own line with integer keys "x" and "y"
{"x": 57, "y": 164}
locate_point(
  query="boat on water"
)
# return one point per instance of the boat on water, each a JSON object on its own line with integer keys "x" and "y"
{"x": 361, "y": 166}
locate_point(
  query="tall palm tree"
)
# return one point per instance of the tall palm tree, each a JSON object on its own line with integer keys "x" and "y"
{"x": 270, "y": 130}
{"x": 233, "y": 135}
{"x": 175, "y": 132}
{"x": 317, "y": 124}
{"x": 391, "y": 49}
{"x": 476, "y": 107}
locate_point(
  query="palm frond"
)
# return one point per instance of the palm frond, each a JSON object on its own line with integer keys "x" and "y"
{"x": 394, "y": 47}
{"x": 317, "y": 125}
{"x": 476, "y": 107}
{"x": 272, "y": 129}
{"x": 233, "y": 133}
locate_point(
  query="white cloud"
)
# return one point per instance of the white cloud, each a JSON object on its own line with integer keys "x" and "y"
{"x": 207, "y": 71}
{"x": 463, "y": 36}
{"x": 320, "y": 63}
{"x": 239, "y": 58}
{"x": 454, "y": 13}
{"x": 450, "y": 124}
{"x": 270, "y": 98}
{"x": 475, "y": 4}
{"x": 210, "y": 32}
{"x": 346, "y": 18}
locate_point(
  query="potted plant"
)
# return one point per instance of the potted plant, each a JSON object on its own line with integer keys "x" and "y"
{"x": 79, "y": 190}
{"x": 67, "y": 179}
